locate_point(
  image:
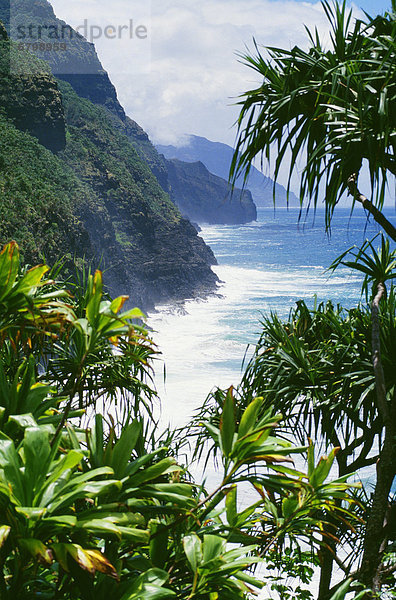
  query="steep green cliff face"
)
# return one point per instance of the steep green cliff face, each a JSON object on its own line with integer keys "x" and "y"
{"x": 39, "y": 195}
{"x": 143, "y": 146}
{"x": 206, "y": 198}
{"x": 198, "y": 200}
{"x": 3, "y": 33}
{"x": 217, "y": 158}
{"x": 39, "y": 199}
{"x": 32, "y": 102}
{"x": 95, "y": 198}
{"x": 79, "y": 65}
{"x": 161, "y": 253}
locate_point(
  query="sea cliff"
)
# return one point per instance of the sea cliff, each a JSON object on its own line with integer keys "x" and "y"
{"x": 71, "y": 163}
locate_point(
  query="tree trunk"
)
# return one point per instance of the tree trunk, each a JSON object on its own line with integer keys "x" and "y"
{"x": 372, "y": 553}
{"x": 326, "y": 571}
{"x": 373, "y": 547}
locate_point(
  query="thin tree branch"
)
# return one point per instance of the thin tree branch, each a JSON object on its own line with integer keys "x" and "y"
{"x": 369, "y": 206}
{"x": 388, "y": 571}
{"x": 341, "y": 565}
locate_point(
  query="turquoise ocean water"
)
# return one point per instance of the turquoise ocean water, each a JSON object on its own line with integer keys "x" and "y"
{"x": 266, "y": 265}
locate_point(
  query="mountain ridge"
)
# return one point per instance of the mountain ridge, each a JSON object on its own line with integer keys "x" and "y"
{"x": 96, "y": 86}
{"x": 206, "y": 198}
{"x": 217, "y": 157}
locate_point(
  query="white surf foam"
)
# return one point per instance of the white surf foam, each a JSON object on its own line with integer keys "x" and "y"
{"x": 203, "y": 345}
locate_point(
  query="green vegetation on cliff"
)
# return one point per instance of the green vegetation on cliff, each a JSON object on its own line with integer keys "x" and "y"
{"x": 39, "y": 198}
{"x": 79, "y": 66}
{"x": 96, "y": 198}
{"x": 217, "y": 158}
{"x": 93, "y": 143}
{"x": 144, "y": 222}
{"x": 206, "y": 198}
{"x": 29, "y": 96}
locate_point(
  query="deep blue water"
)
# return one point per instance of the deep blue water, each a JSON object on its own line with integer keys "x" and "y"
{"x": 297, "y": 250}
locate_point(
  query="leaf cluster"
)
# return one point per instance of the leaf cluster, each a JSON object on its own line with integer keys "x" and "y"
{"x": 100, "y": 508}
{"x": 330, "y": 109}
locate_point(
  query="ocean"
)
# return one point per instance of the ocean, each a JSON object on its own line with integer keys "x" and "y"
{"x": 263, "y": 266}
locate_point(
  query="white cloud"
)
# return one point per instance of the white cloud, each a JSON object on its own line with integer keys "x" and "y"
{"x": 185, "y": 78}
{"x": 195, "y": 77}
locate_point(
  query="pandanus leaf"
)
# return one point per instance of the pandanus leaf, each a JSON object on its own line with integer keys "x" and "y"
{"x": 249, "y": 417}
{"x": 9, "y": 263}
{"x": 28, "y": 284}
{"x": 227, "y": 423}
{"x": 96, "y": 288}
{"x": 10, "y": 472}
{"x": 231, "y": 505}
{"x": 289, "y": 505}
{"x": 90, "y": 560}
{"x": 37, "y": 550}
{"x": 158, "y": 544}
{"x": 95, "y": 439}
{"x": 321, "y": 471}
{"x": 123, "y": 448}
{"x": 37, "y": 451}
{"x": 101, "y": 564}
{"x": 164, "y": 466}
{"x": 118, "y": 303}
{"x": 149, "y": 586}
{"x": 4, "y": 533}
{"x": 213, "y": 547}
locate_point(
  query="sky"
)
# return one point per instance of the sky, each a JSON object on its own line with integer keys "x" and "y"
{"x": 176, "y": 67}
{"x": 179, "y": 73}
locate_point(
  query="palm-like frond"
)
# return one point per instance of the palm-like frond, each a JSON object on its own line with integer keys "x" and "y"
{"x": 331, "y": 110}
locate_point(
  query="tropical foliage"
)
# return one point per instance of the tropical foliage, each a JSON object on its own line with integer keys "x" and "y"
{"x": 331, "y": 373}
{"x": 331, "y": 110}
{"x": 92, "y": 503}
{"x": 96, "y": 501}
